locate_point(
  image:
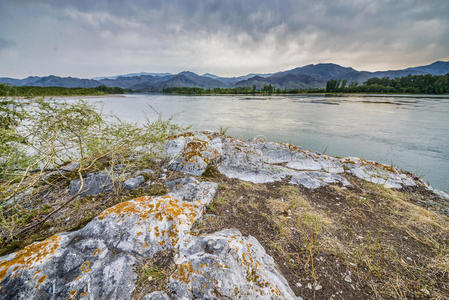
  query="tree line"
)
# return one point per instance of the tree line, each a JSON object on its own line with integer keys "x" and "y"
{"x": 31, "y": 91}
{"x": 411, "y": 84}
{"x": 265, "y": 90}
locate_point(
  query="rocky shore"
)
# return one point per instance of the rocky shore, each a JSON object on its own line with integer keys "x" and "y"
{"x": 246, "y": 220}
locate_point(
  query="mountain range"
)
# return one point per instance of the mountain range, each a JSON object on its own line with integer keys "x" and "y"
{"x": 309, "y": 76}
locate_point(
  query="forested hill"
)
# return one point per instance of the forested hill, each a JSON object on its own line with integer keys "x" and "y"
{"x": 412, "y": 84}
{"x": 306, "y": 77}
{"x": 7, "y": 90}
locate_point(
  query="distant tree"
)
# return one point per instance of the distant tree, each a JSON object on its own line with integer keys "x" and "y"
{"x": 415, "y": 84}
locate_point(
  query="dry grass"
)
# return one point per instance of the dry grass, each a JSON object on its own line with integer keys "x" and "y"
{"x": 153, "y": 274}
{"x": 367, "y": 241}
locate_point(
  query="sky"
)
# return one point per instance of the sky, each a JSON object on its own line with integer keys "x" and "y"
{"x": 85, "y": 38}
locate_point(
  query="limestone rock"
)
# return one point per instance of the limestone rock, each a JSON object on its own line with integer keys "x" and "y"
{"x": 144, "y": 172}
{"x": 249, "y": 162}
{"x": 93, "y": 184}
{"x": 156, "y": 296}
{"x": 226, "y": 265}
{"x": 314, "y": 179}
{"x": 97, "y": 261}
{"x": 133, "y": 183}
{"x": 259, "y": 161}
{"x": 192, "y": 154}
{"x": 377, "y": 173}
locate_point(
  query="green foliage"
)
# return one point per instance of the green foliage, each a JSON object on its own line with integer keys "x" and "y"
{"x": 40, "y": 136}
{"x": 411, "y": 84}
{"x": 265, "y": 90}
{"x": 223, "y": 130}
{"x": 33, "y": 91}
{"x": 11, "y": 114}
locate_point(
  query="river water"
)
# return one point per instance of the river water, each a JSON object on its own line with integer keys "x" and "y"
{"x": 411, "y": 132}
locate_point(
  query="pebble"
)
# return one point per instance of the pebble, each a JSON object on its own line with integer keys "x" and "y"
{"x": 298, "y": 284}
{"x": 348, "y": 278}
{"x": 425, "y": 291}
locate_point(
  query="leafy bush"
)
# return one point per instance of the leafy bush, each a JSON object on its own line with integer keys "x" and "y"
{"x": 40, "y": 136}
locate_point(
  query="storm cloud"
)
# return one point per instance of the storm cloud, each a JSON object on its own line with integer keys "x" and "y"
{"x": 87, "y": 38}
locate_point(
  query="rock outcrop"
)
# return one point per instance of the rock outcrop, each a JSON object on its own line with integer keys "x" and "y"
{"x": 226, "y": 265}
{"x": 259, "y": 161}
{"x": 99, "y": 260}
{"x": 96, "y": 262}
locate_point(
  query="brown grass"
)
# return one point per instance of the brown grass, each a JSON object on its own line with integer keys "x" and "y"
{"x": 365, "y": 242}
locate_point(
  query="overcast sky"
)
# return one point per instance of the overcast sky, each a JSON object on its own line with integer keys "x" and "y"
{"x": 87, "y": 38}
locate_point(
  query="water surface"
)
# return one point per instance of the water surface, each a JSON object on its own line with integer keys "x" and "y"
{"x": 411, "y": 132}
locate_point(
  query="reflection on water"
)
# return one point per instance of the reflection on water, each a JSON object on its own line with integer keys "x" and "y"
{"x": 411, "y": 132}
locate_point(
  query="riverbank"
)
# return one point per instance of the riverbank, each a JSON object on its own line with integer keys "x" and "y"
{"x": 36, "y": 91}
{"x": 407, "y": 131}
{"x": 283, "y": 220}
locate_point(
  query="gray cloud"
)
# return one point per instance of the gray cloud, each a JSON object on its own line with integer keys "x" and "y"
{"x": 5, "y": 44}
{"x": 89, "y": 38}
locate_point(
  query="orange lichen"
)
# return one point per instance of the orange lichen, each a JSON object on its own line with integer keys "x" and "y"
{"x": 184, "y": 272}
{"x": 30, "y": 255}
{"x": 184, "y": 134}
{"x": 195, "y": 148}
{"x": 83, "y": 294}
{"x": 72, "y": 292}
{"x": 85, "y": 267}
{"x": 156, "y": 231}
{"x": 161, "y": 208}
{"x": 139, "y": 206}
{"x": 97, "y": 251}
{"x": 378, "y": 165}
{"x": 40, "y": 280}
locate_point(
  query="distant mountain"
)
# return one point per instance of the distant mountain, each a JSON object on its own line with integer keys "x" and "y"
{"x": 437, "y": 68}
{"x": 183, "y": 79}
{"x": 132, "y": 75}
{"x": 52, "y": 80}
{"x": 309, "y": 76}
{"x": 128, "y": 82}
{"x": 230, "y": 81}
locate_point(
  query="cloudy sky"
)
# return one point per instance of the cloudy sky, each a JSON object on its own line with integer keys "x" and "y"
{"x": 86, "y": 38}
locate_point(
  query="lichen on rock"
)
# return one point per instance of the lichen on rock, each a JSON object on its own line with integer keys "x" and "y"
{"x": 227, "y": 265}
{"x": 97, "y": 261}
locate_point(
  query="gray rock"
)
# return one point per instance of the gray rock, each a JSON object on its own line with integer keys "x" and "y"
{"x": 305, "y": 164}
{"x": 98, "y": 260}
{"x": 93, "y": 184}
{"x": 174, "y": 148}
{"x": 133, "y": 183}
{"x": 144, "y": 172}
{"x": 227, "y": 265}
{"x": 258, "y": 161}
{"x": 247, "y": 162}
{"x": 156, "y": 296}
{"x": 274, "y": 153}
{"x": 192, "y": 155}
{"x": 314, "y": 179}
{"x": 377, "y": 173}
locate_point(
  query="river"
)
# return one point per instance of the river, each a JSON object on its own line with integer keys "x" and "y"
{"x": 408, "y": 131}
